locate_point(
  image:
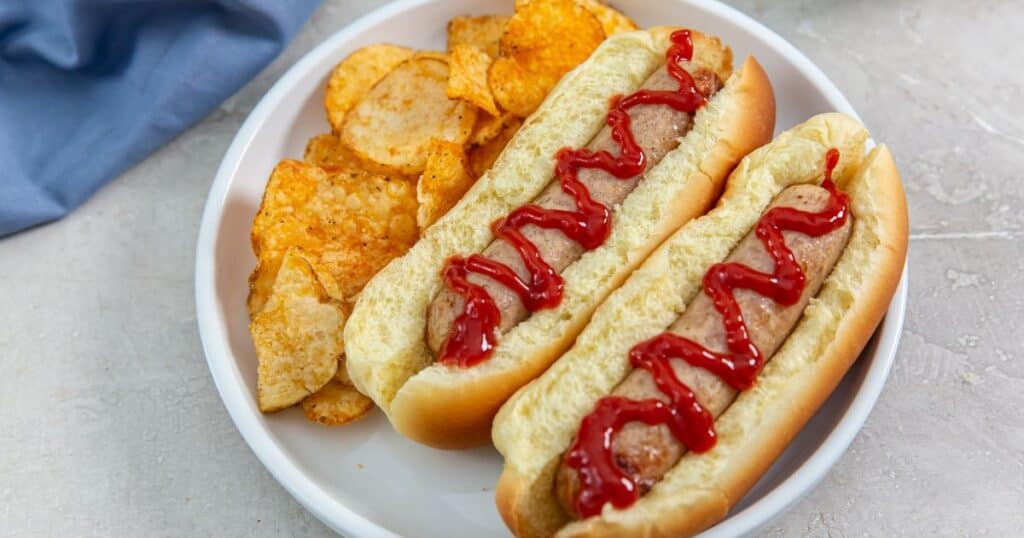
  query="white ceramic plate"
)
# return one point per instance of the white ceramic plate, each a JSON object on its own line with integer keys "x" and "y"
{"x": 364, "y": 479}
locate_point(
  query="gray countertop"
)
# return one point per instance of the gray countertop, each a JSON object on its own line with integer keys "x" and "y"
{"x": 110, "y": 424}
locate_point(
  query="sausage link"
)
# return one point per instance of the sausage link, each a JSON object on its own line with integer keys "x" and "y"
{"x": 657, "y": 129}
{"x": 648, "y": 452}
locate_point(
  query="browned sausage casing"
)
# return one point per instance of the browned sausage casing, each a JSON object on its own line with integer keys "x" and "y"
{"x": 657, "y": 129}
{"x": 648, "y": 452}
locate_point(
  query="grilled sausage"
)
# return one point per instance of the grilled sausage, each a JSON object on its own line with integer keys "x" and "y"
{"x": 648, "y": 452}
{"x": 657, "y": 129}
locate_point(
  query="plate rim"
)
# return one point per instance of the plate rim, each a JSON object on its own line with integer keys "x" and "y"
{"x": 227, "y": 376}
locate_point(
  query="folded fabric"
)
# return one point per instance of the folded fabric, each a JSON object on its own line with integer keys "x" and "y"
{"x": 90, "y": 87}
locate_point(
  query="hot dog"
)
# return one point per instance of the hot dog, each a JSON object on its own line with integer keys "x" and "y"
{"x": 657, "y": 129}
{"x": 500, "y": 286}
{"x": 692, "y": 377}
{"x": 647, "y": 452}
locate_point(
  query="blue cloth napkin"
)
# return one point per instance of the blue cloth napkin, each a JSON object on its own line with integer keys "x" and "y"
{"x": 90, "y": 87}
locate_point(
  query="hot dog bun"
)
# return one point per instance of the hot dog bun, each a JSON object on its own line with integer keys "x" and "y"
{"x": 535, "y": 427}
{"x": 387, "y": 356}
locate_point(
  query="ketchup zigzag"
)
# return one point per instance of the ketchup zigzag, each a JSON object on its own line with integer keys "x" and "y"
{"x": 591, "y": 453}
{"x": 475, "y": 331}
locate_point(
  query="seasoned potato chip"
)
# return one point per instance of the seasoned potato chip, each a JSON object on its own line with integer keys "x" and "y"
{"x": 443, "y": 182}
{"x": 298, "y": 336}
{"x": 542, "y": 41}
{"x": 261, "y": 283}
{"x": 432, "y": 54}
{"x": 516, "y": 89}
{"x": 336, "y": 404}
{"x": 612, "y": 21}
{"x": 341, "y": 376}
{"x": 392, "y": 126}
{"x": 349, "y": 223}
{"x": 480, "y": 32}
{"x": 353, "y": 77}
{"x": 482, "y": 157}
{"x": 467, "y": 79}
{"x": 488, "y": 127}
{"x": 327, "y": 151}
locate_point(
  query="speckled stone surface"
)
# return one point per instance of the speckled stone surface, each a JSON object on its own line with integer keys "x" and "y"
{"x": 110, "y": 424}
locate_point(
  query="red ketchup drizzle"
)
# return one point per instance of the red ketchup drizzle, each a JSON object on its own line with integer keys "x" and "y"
{"x": 475, "y": 331}
{"x": 591, "y": 453}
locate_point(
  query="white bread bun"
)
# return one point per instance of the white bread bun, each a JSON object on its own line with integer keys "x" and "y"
{"x": 387, "y": 356}
{"x": 536, "y": 426}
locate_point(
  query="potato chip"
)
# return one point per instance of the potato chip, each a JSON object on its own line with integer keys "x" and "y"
{"x": 261, "y": 284}
{"x": 488, "y": 127}
{"x": 336, "y": 404}
{"x": 482, "y": 157}
{"x": 353, "y": 77}
{"x": 432, "y": 54}
{"x": 392, "y": 126}
{"x": 467, "y": 79}
{"x": 326, "y": 151}
{"x": 516, "y": 89}
{"x": 341, "y": 375}
{"x": 542, "y": 41}
{"x": 349, "y": 223}
{"x": 443, "y": 182}
{"x": 298, "y": 336}
{"x": 612, "y": 21}
{"x": 481, "y": 32}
